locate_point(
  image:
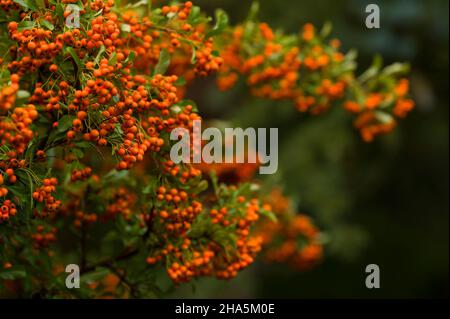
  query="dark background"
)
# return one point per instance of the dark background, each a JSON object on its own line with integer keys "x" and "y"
{"x": 385, "y": 202}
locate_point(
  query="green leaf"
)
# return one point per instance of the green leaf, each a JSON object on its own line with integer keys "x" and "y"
{"x": 40, "y": 4}
{"x": 23, "y": 95}
{"x": 254, "y": 11}
{"x": 59, "y": 11}
{"x": 27, "y": 4}
{"x": 351, "y": 55}
{"x": 221, "y": 23}
{"x": 326, "y": 29}
{"x": 140, "y": 3}
{"x": 26, "y": 25}
{"x": 115, "y": 176}
{"x": 186, "y": 102}
{"x": 130, "y": 57}
{"x": 396, "y": 68}
{"x": 373, "y": 70}
{"x": 151, "y": 187}
{"x": 202, "y": 186}
{"x": 194, "y": 56}
{"x": 22, "y": 3}
{"x": 180, "y": 81}
{"x": 113, "y": 59}
{"x": 83, "y": 144}
{"x": 99, "y": 54}
{"x": 65, "y": 123}
{"x": 215, "y": 182}
{"x": 20, "y": 192}
{"x": 96, "y": 275}
{"x": 75, "y": 57}
{"x": 12, "y": 274}
{"x": 383, "y": 117}
{"x": 163, "y": 62}
{"x": 77, "y": 152}
{"x": 47, "y": 24}
{"x": 269, "y": 215}
{"x": 125, "y": 27}
{"x": 194, "y": 15}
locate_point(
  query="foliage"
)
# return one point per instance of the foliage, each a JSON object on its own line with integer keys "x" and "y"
{"x": 86, "y": 114}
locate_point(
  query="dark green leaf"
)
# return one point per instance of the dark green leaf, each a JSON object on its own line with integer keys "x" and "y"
{"x": 99, "y": 54}
{"x": 77, "y": 152}
{"x": 180, "y": 81}
{"x": 151, "y": 187}
{"x": 65, "y": 123}
{"x": 12, "y": 274}
{"x": 96, "y": 275}
{"x": 25, "y": 25}
{"x": 221, "y": 23}
{"x": 113, "y": 59}
{"x": 75, "y": 57}
{"x": 194, "y": 16}
{"x": 27, "y": 4}
{"x": 40, "y": 4}
{"x": 47, "y": 24}
{"x": 163, "y": 62}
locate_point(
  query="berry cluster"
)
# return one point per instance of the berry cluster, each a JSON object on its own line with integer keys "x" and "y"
{"x": 8, "y": 92}
{"x": 7, "y": 209}
{"x": 44, "y": 195}
{"x": 228, "y": 225}
{"x": 82, "y": 174}
{"x": 314, "y": 75}
{"x": 16, "y": 132}
{"x": 43, "y": 237}
{"x": 293, "y": 239}
{"x": 94, "y": 106}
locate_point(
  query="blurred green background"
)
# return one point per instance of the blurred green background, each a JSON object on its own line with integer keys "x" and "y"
{"x": 385, "y": 202}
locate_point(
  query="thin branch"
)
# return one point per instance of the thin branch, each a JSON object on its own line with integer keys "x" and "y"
{"x": 108, "y": 262}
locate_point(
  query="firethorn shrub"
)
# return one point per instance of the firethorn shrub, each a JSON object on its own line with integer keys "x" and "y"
{"x": 85, "y": 118}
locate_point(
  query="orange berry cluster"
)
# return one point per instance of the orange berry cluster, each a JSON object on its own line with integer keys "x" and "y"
{"x": 34, "y": 48}
{"x": 183, "y": 173}
{"x": 50, "y": 98}
{"x": 16, "y": 132}
{"x": 44, "y": 195}
{"x": 8, "y": 5}
{"x": 7, "y": 208}
{"x": 84, "y": 219}
{"x": 293, "y": 239}
{"x": 10, "y": 166}
{"x": 123, "y": 203}
{"x": 314, "y": 75}
{"x": 206, "y": 61}
{"x": 178, "y": 37}
{"x": 108, "y": 104}
{"x": 42, "y": 238}
{"x": 8, "y": 92}
{"x": 370, "y": 120}
{"x": 302, "y": 257}
{"x": 82, "y": 174}
{"x": 213, "y": 261}
{"x": 190, "y": 256}
{"x": 230, "y": 173}
{"x": 178, "y": 213}
{"x": 114, "y": 86}
{"x": 3, "y": 189}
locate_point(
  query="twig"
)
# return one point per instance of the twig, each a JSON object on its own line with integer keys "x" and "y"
{"x": 108, "y": 262}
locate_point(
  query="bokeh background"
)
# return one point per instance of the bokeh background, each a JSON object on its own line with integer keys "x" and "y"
{"x": 385, "y": 202}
